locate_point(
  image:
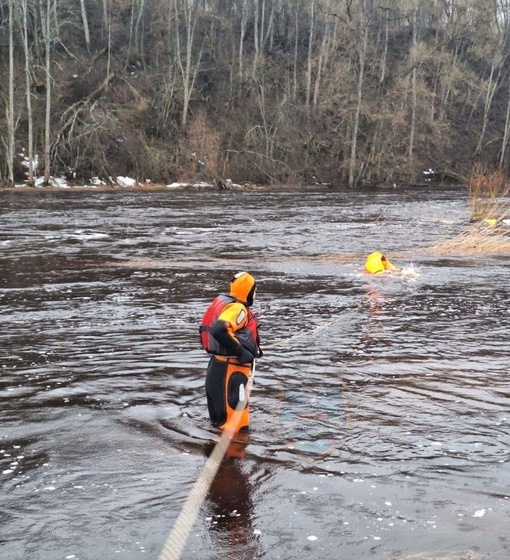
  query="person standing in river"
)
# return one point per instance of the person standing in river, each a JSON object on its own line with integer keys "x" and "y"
{"x": 229, "y": 331}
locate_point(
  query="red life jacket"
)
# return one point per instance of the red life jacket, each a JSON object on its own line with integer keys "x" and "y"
{"x": 247, "y": 336}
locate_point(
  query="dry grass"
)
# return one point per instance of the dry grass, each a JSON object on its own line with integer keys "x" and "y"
{"x": 489, "y": 205}
{"x": 478, "y": 239}
{"x": 489, "y": 193}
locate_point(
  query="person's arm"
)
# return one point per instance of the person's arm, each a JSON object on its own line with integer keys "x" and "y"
{"x": 388, "y": 266}
{"x": 232, "y": 318}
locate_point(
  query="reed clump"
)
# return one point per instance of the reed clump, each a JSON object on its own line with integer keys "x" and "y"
{"x": 480, "y": 238}
{"x": 489, "y": 193}
{"x": 489, "y": 210}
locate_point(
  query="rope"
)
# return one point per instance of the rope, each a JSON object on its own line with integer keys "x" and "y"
{"x": 310, "y": 332}
{"x": 176, "y": 541}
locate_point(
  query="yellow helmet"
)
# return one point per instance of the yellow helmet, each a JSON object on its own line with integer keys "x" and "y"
{"x": 242, "y": 287}
{"x": 377, "y": 262}
{"x": 374, "y": 263}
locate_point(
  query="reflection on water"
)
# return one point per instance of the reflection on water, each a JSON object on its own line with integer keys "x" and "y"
{"x": 380, "y": 423}
{"x": 310, "y": 416}
{"x": 229, "y": 507}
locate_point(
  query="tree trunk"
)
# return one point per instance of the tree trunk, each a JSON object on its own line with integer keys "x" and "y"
{"x": 268, "y": 37}
{"x": 504, "y": 144}
{"x": 296, "y": 44}
{"x": 310, "y": 52}
{"x": 321, "y": 63}
{"x": 56, "y": 26}
{"x": 85, "y": 23}
{"x": 138, "y": 34}
{"x": 10, "y": 110}
{"x": 258, "y": 34}
{"x": 261, "y": 26}
{"x": 106, "y": 11}
{"x": 244, "y": 20}
{"x": 385, "y": 49}
{"x": 412, "y": 129}
{"x": 362, "y": 56}
{"x": 491, "y": 90}
{"x": 108, "y": 23}
{"x": 28, "y": 83}
{"x": 131, "y": 33}
{"x": 188, "y": 74}
{"x": 47, "y": 41}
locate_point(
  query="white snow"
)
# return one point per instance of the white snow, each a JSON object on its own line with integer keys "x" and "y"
{"x": 479, "y": 513}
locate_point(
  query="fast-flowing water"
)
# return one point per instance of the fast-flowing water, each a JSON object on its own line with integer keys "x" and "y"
{"x": 380, "y": 414}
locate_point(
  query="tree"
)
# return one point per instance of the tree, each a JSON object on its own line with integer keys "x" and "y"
{"x": 362, "y": 29}
{"x": 46, "y": 15}
{"x": 506, "y": 133}
{"x": 10, "y": 108}
{"x": 352, "y": 91}
{"x": 414, "y": 71}
{"x": 311, "y": 36}
{"x": 85, "y": 23}
{"x": 28, "y": 93}
{"x": 186, "y": 14}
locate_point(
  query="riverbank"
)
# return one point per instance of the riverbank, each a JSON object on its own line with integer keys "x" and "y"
{"x": 179, "y": 186}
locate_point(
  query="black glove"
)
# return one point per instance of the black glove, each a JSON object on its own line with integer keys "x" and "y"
{"x": 259, "y": 353}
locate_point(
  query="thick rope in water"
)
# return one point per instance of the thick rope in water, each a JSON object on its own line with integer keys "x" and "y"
{"x": 176, "y": 541}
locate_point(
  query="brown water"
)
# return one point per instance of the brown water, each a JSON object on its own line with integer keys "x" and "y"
{"x": 380, "y": 412}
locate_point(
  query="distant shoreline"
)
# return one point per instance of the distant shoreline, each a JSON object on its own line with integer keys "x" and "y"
{"x": 232, "y": 188}
{"x": 146, "y": 187}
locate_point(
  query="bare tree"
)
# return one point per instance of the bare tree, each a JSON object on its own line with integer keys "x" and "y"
{"x": 322, "y": 60}
{"x": 10, "y": 108}
{"x": 106, "y": 11}
{"x": 187, "y": 11}
{"x": 362, "y": 53}
{"x": 138, "y": 35}
{"x": 244, "y": 20}
{"x": 85, "y": 23}
{"x": 260, "y": 33}
{"x": 492, "y": 86}
{"x": 506, "y": 133}
{"x": 28, "y": 92}
{"x": 108, "y": 23}
{"x": 296, "y": 52}
{"x": 47, "y": 32}
{"x": 385, "y": 47}
{"x": 311, "y": 37}
{"x": 414, "y": 71}
{"x": 131, "y": 33}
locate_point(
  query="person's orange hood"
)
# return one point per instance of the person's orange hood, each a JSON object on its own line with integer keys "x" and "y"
{"x": 243, "y": 287}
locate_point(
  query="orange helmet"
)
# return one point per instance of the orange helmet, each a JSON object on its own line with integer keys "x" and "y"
{"x": 242, "y": 288}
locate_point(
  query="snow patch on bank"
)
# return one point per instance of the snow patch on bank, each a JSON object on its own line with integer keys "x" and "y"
{"x": 123, "y": 182}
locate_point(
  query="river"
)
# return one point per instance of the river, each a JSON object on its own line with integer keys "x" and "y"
{"x": 380, "y": 417}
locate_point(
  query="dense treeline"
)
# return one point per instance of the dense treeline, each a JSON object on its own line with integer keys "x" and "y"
{"x": 346, "y": 92}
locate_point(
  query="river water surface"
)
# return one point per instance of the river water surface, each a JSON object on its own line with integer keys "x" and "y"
{"x": 380, "y": 423}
